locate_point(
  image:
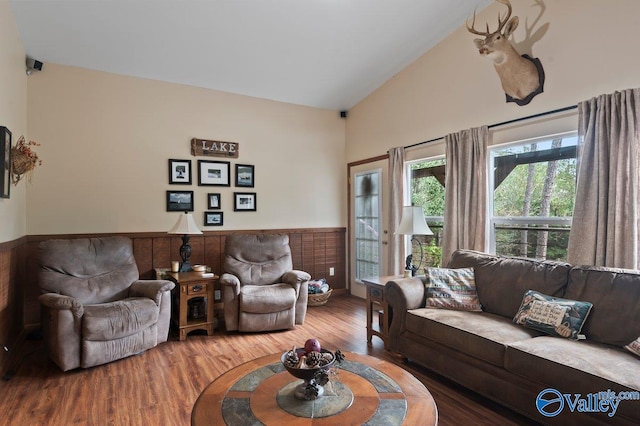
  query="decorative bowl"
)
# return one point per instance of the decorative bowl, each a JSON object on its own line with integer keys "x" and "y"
{"x": 199, "y": 268}
{"x": 306, "y": 374}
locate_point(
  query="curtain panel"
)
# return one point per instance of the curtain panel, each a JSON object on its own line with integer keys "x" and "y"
{"x": 465, "y": 211}
{"x": 396, "y": 196}
{"x": 605, "y": 218}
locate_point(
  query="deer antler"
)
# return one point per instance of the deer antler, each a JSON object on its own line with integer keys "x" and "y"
{"x": 472, "y": 29}
{"x": 501, "y": 22}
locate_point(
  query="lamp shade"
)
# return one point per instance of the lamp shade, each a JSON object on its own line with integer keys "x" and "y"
{"x": 185, "y": 225}
{"x": 412, "y": 222}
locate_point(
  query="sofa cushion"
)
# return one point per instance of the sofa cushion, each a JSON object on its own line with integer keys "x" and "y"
{"x": 552, "y": 315}
{"x": 115, "y": 320}
{"x": 451, "y": 289}
{"x": 476, "y": 334}
{"x": 259, "y": 299}
{"x": 615, "y": 294}
{"x": 501, "y": 281}
{"x": 576, "y": 367}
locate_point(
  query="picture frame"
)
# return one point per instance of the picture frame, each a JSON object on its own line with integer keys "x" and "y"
{"x": 179, "y": 201}
{"x": 213, "y": 218}
{"x": 245, "y": 202}
{"x": 5, "y": 161}
{"x": 214, "y": 201}
{"x": 214, "y": 173}
{"x": 245, "y": 175}
{"x": 179, "y": 172}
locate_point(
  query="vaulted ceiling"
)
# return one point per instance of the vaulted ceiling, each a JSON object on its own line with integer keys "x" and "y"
{"x": 321, "y": 53}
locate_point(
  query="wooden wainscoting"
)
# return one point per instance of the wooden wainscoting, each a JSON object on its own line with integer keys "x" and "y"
{"x": 12, "y": 254}
{"x": 314, "y": 250}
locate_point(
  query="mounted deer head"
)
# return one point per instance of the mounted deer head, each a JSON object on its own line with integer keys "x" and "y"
{"x": 522, "y": 77}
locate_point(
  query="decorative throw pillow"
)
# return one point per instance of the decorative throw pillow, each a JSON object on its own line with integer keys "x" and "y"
{"x": 552, "y": 315}
{"x": 634, "y": 347}
{"x": 451, "y": 289}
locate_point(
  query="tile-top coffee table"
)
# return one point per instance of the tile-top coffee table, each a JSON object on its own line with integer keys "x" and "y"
{"x": 365, "y": 391}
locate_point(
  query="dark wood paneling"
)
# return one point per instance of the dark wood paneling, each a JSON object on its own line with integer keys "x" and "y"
{"x": 12, "y": 274}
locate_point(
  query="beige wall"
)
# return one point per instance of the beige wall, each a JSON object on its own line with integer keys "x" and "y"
{"x": 106, "y": 140}
{"x": 589, "y": 48}
{"x": 13, "y": 115}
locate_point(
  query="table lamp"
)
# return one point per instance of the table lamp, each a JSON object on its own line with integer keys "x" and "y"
{"x": 185, "y": 226}
{"x": 413, "y": 223}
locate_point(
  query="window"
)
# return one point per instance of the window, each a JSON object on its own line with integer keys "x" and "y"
{"x": 427, "y": 190}
{"x": 367, "y": 226}
{"x": 533, "y": 193}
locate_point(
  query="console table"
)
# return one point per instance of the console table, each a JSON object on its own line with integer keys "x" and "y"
{"x": 375, "y": 300}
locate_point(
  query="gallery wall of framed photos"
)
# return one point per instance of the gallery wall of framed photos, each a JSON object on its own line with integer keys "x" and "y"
{"x": 233, "y": 180}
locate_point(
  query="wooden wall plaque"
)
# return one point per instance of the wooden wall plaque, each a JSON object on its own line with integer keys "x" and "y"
{"x": 214, "y": 148}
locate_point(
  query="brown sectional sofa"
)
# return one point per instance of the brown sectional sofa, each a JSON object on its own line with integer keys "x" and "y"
{"x": 489, "y": 354}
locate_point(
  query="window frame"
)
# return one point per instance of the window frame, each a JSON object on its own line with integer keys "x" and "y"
{"x": 492, "y": 221}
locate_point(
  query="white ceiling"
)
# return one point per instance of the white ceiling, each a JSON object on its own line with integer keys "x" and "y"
{"x": 321, "y": 53}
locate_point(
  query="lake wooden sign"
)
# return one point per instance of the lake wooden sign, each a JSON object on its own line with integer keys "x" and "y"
{"x": 214, "y": 148}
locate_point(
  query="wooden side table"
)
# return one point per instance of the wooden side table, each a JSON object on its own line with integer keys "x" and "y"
{"x": 191, "y": 285}
{"x": 375, "y": 300}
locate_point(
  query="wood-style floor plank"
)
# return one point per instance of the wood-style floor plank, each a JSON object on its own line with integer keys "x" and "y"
{"x": 160, "y": 386}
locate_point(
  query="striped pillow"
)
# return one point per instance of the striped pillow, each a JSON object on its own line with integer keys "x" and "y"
{"x": 451, "y": 289}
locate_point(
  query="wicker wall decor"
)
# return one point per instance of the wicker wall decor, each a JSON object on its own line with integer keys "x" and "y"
{"x": 23, "y": 160}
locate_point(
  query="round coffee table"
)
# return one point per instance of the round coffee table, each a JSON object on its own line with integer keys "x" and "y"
{"x": 365, "y": 390}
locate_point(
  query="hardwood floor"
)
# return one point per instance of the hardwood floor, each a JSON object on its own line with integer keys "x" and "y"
{"x": 160, "y": 386}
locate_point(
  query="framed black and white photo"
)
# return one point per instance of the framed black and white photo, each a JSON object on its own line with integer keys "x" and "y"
{"x": 213, "y": 219}
{"x": 244, "y": 202}
{"x": 180, "y": 172}
{"x": 5, "y": 161}
{"x": 214, "y": 173}
{"x": 245, "y": 174}
{"x": 213, "y": 201}
{"x": 179, "y": 201}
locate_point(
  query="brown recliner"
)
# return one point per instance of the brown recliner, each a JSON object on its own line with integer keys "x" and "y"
{"x": 261, "y": 290}
{"x": 94, "y": 308}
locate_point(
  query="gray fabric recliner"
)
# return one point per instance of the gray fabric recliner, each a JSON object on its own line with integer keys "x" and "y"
{"x": 94, "y": 307}
{"x": 261, "y": 290}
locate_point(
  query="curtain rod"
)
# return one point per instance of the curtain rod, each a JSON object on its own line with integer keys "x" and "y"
{"x": 504, "y": 123}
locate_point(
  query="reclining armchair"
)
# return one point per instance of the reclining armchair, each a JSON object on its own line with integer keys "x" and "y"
{"x": 261, "y": 291}
{"x": 94, "y": 308}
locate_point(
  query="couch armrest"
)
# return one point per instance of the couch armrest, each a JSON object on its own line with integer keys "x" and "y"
{"x": 230, "y": 291}
{"x": 60, "y": 302}
{"x": 153, "y": 289}
{"x": 402, "y": 294}
{"x": 230, "y": 280}
{"x": 295, "y": 277}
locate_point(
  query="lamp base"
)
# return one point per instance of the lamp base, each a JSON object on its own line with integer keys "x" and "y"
{"x": 185, "y": 267}
{"x": 185, "y": 252}
{"x": 409, "y": 267}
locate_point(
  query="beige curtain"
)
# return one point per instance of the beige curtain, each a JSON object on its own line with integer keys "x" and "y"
{"x": 465, "y": 191}
{"x": 605, "y": 217}
{"x": 396, "y": 197}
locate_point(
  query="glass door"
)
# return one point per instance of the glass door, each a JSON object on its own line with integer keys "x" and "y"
{"x": 368, "y": 235}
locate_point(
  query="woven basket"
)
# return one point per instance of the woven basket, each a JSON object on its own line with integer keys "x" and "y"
{"x": 319, "y": 299}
